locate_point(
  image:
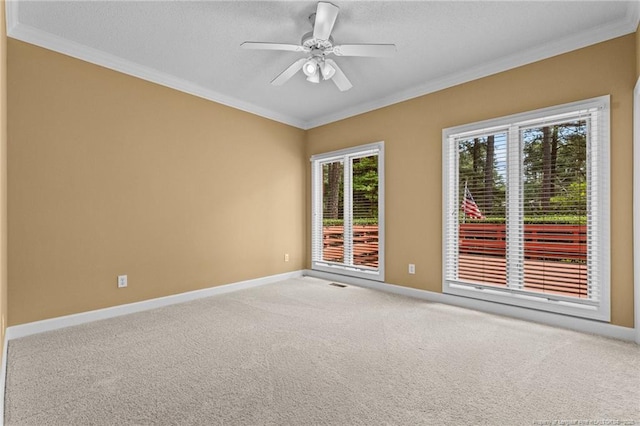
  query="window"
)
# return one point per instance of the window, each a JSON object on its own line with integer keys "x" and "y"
{"x": 526, "y": 209}
{"x": 347, "y": 212}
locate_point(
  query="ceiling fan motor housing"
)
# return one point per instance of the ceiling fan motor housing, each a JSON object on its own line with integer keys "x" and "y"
{"x": 314, "y": 44}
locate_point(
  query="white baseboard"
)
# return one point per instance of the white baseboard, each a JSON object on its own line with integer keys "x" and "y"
{"x": 3, "y": 377}
{"x": 28, "y": 329}
{"x": 548, "y": 318}
{"x": 22, "y": 330}
{"x": 636, "y": 207}
{"x": 578, "y": 324}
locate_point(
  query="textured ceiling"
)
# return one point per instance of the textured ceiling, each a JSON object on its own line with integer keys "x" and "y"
{"x": 195, "y": 46}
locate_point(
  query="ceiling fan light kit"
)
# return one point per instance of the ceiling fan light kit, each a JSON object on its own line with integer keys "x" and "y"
{"x": 319, "y": 44}
{"x": 327, "y": 70}
{"x": 314, "y": 78}
{"x": 310, "y": 67}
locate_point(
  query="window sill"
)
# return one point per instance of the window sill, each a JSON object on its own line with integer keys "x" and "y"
{"x": 599, "y": 312}
{"x": 375, "y": 275}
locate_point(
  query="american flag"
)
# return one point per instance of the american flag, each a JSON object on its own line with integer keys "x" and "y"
{"x": 469, "y": 206}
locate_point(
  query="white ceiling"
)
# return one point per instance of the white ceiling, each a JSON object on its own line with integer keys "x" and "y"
{"x": 195, "y": 46}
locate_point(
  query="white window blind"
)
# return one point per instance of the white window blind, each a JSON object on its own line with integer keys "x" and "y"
{"x": 526, "y": 209}
{"x": 347, "y": 212}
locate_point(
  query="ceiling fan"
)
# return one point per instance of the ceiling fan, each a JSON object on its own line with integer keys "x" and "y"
{"x": 319, "y": 44}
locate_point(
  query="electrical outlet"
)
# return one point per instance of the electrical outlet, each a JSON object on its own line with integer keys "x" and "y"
{"x": 412, "y": 268}
{"x": 122, "y": 281}
{"x": 286, "y": 257}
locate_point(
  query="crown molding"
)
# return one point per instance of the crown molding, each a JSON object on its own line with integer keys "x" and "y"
{"x": 32, "y": 35}
{"x": 67, "y": 47}
{"x": 558, "y": 47}
{"x": 633, "y": 15}
{"x": 11, "y": 15}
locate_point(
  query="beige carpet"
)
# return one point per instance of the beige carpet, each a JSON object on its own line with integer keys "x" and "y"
{"x": 304, "y": 352}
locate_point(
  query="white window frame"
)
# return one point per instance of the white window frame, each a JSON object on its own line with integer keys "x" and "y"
{"x": 345, "y": 155}
{"x": 596, "y": 307}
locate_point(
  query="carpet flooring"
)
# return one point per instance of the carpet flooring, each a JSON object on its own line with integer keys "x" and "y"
{"x": 302, "y": 352}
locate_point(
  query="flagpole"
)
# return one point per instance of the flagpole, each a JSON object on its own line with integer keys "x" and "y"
{"x": 464, "y": 196}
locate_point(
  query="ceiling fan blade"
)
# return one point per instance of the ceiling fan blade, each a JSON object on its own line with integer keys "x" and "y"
{"x": 365, "y": 50}
{"x": 326, "y": 15}
{"x": 339, "y": 78}
{"x": 289, "y": 72}
{"x": 256, "y": 45}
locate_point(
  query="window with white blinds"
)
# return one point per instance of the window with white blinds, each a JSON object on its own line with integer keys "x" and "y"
{"x": 526, "y": 209}
{"x": 347, "y": 212}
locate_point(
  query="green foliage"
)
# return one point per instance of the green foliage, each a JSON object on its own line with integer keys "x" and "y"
{"x": 333, "y": 189}
{"x": 548, "y": 219}
{"x": 572, "y": 198}
{"x": 472, "y": 162}
{"x": 356, "y": 221}
{"x": 566, "y": 166}
{"x": 365, "y": 188}
{"x": 554, "y": 160}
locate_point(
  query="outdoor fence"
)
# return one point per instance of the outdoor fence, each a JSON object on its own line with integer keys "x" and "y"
{"x": 554, "y": 257}
{"x": 554, "y": 254}
{"x": 365, "y": 244}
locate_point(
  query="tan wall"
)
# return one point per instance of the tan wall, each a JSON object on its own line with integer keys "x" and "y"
{"x": 112, "y": 175}
{"x": 638, "y": 52}
{"x": 3, "y": 176}
{"x": 412, "y": 132}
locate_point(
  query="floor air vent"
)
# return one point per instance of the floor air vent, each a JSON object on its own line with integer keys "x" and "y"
{"x": 338, "y": 285}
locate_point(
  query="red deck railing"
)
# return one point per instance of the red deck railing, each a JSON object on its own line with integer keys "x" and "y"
{"x": 554, "y": 255}
{"x": 365, "y": 244}
{"x": 542, "y": 242}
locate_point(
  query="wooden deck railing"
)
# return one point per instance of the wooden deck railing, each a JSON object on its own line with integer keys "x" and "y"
{"x": 554, "y": 255}
{"x": 365, "y": 244}
{"x": 553, "y": 277}
{"x": 541, "y": 242}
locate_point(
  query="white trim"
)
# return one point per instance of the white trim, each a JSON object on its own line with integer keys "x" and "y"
{"x": 67, "y": 47}
{"x": 547, "y": 318}
{"x": 512, "y": 123}
{"x": 633, "y": 16}
{"x": 346, "y": 155}
{"x": 338, "y": 154}
{"x": 556, "y": 320}
{"x": 3, "y": 376}
{"x": 22, "y": 330}
{"x": 495, "y": 124}
{"x": 558, "y": 47}
{"x": 26, "y": 33}
{"x": 636, "y": 207}
{"x": 11, "y": 15}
